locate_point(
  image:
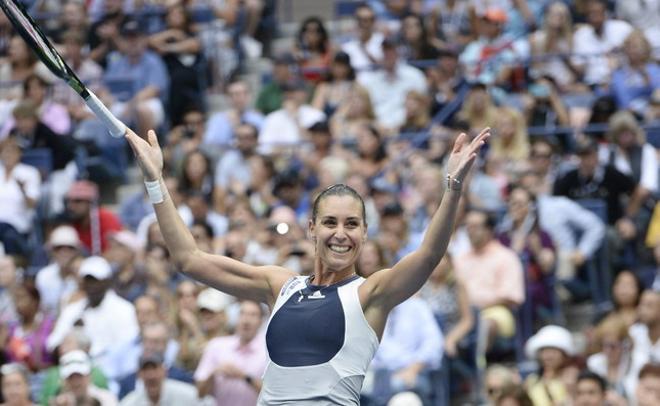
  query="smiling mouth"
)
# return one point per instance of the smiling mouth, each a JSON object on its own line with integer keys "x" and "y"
{"x": 339, "y": 249}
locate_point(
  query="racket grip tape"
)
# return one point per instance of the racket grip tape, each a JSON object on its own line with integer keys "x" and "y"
{"x": 117, "y": 128}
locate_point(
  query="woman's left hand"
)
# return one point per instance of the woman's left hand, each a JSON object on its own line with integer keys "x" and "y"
{"x": 464, "y": 153}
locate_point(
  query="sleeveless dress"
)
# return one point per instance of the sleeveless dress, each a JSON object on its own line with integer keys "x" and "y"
{"x": 319, "y": 345}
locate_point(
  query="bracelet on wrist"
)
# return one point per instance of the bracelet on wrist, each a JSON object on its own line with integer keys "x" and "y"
{"x": 454, "y": 184}
{"x": 155, "y": 191}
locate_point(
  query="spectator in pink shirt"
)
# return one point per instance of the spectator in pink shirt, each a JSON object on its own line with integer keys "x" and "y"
{"x": 231, "y": 366}
{"x": 492, "y": 275}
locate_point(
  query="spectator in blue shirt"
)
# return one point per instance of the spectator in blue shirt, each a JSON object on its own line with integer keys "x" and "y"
{"x": 150, "y": 81}
{"x": 634, "y": 82}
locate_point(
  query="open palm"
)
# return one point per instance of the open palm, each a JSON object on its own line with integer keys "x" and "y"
{"x": 147, "y": 153}
{"x": 464, "y": 153}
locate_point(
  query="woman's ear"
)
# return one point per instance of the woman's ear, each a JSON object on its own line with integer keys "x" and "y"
{"x": 310, "y": 230}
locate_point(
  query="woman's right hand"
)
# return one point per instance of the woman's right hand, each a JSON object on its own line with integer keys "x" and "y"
{"x": 147, "y": 153}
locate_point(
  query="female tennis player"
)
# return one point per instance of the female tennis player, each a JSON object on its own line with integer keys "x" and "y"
{"x": 324, "y": 328}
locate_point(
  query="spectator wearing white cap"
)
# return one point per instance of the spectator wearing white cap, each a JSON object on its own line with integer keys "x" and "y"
{"x": 58, "y": 280}
{"x": 553, "y": 348}
{"x": 212, "y": 306}
{"x": 107, "y": 319}
{"x": 75, "y": 369}
{"x": 124, "y": 254}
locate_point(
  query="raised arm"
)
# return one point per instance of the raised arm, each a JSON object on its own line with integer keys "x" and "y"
{"x": 392, "y": 286}
{"x": 228, "y": 275}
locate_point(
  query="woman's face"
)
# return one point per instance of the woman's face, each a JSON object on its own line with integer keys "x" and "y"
{"x": 338, "y": 232}
{"x": 176, "y": 17}
{"x": 367, "y": 142}
{"x": 10, "y": 154}
{"x": 556, "y": 15}
{"x": 14, "y": 389}
{"x": 26, "y": 306}
{"x": 369, "y": 259}
{"x": 626, "y": 139}
{"x": 186, "y": 294}
{"x": 312, "y": 35}
{"x": 636, "y": 49}
{"x": 412, "y": 29}
{"x": 196, "y": 167}
{"x": 518, "y": 204}
{"x": 413, "y": 105}
{"x": 36, "y": 91}
{"x": 551, "y": 358}
{"x": 506, "y": 127}
{"x": 339, "y": 70}
{"x": 73, "y": 14}
{"x": 18, "y": 51}
{"x": 625, "y": 290}
{"x": 612, "y": 346}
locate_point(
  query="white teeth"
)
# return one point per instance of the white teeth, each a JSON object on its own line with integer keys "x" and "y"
{"x": 340, "y": 249}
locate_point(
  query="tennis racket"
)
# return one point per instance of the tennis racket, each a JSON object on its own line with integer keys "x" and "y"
{"x": 31, "y": 33}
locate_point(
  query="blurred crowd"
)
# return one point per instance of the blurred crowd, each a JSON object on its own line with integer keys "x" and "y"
{"x": 550, "y": 292}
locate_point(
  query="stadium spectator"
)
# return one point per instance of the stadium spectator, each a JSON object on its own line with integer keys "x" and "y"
{"x": 497, "y": 380}
{"x": 594, "y": 43}
{"x": 26, "y": 338}
{"x": 94, "y": 224}
{"x": 478, "y": 108}
{"x": 552, "y": 46}
{"x": 415, "y": 44}
{"x": 107, "y": 319}
{"x": 158, "y": 389}
{"x": 352, "y": 113}
{"x": 15, "y": 387}
{"x": 181, "y": 50}
{"x": 20, "y": 184}
{"x": 591, "y": 390}
{"x": 645, "y": 334}
{"x": 642, "y": 15}
{"x": 647, "y": 392}
{"x": 389, "y": 84}
{"x": 510, "y": 145}
{"x": 271, "y": 95}
{"x": 553, "y": 347}
{"x": 150, "y": 83}
{"x": 184, "y": 138}
{"x": 124, "y": 254}
{"x": 104, "y": 32}
{"x": 285, "y": 127}
{"x": 545, "y": 109}
{"x": 231, "y": 367}
{"x": 9, "y": 279}
{"x": 19, "y": 64}
{"x": 492, "y": 275}
{"x": 613, "y": 363}
{"x": 447, "y": 86}
{"x": 312, "y": 49}
{"x": 365, "y": 50}
{"x": 627, "y": 289}
{"x": 189, "y": 332}
{"x": 221, "y": 127}
{"x": 75, "y": 369}
{"x": 338, "y": 84}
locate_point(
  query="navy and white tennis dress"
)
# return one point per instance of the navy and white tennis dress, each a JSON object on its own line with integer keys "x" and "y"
{"x": 319, "y": 345}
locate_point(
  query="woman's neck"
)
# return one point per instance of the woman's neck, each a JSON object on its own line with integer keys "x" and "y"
{"x": 323, "y": 276}
{"x": 550, "y": 373}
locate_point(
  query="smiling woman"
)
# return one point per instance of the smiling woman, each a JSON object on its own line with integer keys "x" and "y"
{"x": 325, "y": 327}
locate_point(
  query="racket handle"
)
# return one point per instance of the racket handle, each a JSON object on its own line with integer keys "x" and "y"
{"x": 117, "y": 128}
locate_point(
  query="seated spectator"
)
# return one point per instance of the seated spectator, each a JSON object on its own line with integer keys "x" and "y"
{"x": 285, "y": 127}
{"x": 492, "y": 275}
{"x": 52, "y": 383}
{"x": 449, "y": 302}
{"x": 52, "y": 114}
{"x": 26, "y": 339}
{"x": 521, "y": 231}
{"x": 104, "y": 32}
{"x": 20, "y": 184}
{"x": 627, "y": 289}
{"x": 75, "y": 369}
{"x": 489, "y": 59}
{"x": 395, "y": 234}
{"x": 591, "y": 390}
{"x": 190, "y": 336}
{"x": 418, "y": 119}
{"x": 58, "y": 280}
{"x": 371, "y": 156}
{"x": 553, "y": 347}
{"x": 271, "y": 95}
{"x": 645, "y": 334}
{"x": 107, "y": 319}
{"x": 365, "y": 50}
{"x": 184, "y": 138}
{"x": 231, "y": 367}
{"x": 544, "y": 167}
{"x": 124, "y": 254}
{"x": 414, "y": 40}
{"x": 642, "y": 17}
{"x": 647, "y": 392}
{"x": 613, "y": 362}
{"x": 313, "y": 49}
{"x": 221, "y": 128}
{"x": 94, "y": 224}
{"x": 352, "y": 114}
{"x": 72, "y": 17}
{"x": 15, "y": 387}
{"x": 289, "y": 190}
{"x": 32, "y": 133}
{"x": 337, "y": 86}
{"x": 630, "y": 153}
{"x": 145, "y": 108}
{"x": 159, "y": 390}
{"x": 595, "y": 42}
{"x": 388, "y": 86}
{"x": 497, "y": 380}
{"x": 552, "y": 46}
{"x": 514, "y": 395}
{"x": 19, "y": 63}
{"x": 181, "y": 50}
{"x": 634, "y": 82}
{"x": 478, "y": 110}
{"x": 510, "y": 144}
{"x": 545, "y": 109}
{"x": 448, "y": 87}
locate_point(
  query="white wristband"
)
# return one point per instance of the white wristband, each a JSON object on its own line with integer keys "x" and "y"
{"x": 154, "y": 191}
